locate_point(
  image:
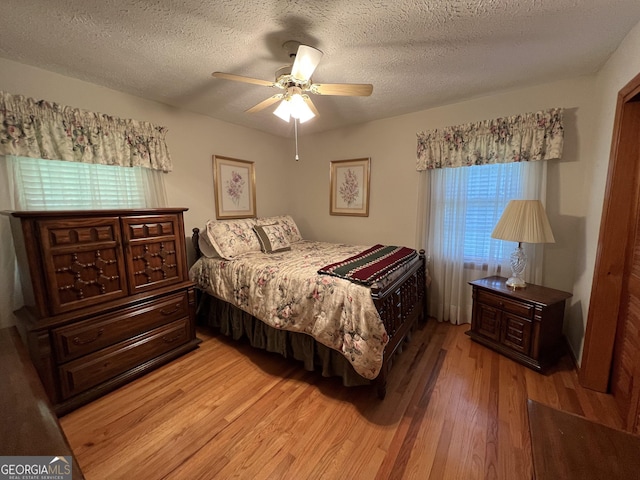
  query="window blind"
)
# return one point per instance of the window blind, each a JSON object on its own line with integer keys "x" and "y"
{"x": 489, "y": 189}
{"x": 60, "y": 185}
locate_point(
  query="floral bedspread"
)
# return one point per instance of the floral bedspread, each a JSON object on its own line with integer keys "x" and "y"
{"x": 285, "y": 291}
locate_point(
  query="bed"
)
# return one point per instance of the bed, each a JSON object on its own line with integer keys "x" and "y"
{"x": 261, "y": 281}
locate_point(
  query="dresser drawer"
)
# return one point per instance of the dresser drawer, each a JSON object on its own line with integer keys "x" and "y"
{"x": 92, "y": 335}
{"x": 522, "y": 309}
{"x": 86, "y": 372}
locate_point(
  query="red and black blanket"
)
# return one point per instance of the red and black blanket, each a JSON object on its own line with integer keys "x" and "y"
{"x": 371, "y": 265}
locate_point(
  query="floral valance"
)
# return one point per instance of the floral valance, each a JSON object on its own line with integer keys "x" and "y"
{"x": 519, "y": 138}
{"x": 41, "y": 129}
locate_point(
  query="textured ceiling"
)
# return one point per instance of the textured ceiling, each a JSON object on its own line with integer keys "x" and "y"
{"x": 417, "y": 54}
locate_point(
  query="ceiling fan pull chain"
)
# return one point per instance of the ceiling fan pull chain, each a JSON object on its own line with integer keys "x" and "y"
{"x": 295, "y": 127}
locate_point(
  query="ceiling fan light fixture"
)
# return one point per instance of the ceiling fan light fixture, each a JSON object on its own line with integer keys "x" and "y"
{"x": 300, "y": 109}
{"x": 294, "y": 106}
{"x": 284, "y": 110}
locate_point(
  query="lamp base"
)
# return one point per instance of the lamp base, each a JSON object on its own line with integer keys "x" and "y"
{"x": 518, "y": 261}
{"x": 515, "y": 282}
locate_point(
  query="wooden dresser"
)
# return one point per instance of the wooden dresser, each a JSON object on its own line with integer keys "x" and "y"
{"x": 107, "y": 297}
{"x": 524, "y": 324}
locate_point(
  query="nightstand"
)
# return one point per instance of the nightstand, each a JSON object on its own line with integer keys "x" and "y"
{"x": 523, "y": 324}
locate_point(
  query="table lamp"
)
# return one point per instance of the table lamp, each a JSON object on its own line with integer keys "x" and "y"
{"x": 522, "y": 221}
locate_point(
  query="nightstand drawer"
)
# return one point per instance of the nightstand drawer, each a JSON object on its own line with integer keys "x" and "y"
{"x": 512, "y": 306}
{"x": 91, "y": 370}
{"x": 91, "y": 335}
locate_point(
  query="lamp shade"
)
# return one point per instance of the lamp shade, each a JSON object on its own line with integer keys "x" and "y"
{"x": 524, "y": 221}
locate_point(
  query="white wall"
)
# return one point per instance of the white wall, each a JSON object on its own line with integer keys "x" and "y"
{"x": 192, "y": 140}
{"x": 621, "y": 67}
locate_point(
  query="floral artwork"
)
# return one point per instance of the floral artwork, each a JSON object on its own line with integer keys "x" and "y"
{"x": 349, "y": 190}
{"x": 234, "y": 188}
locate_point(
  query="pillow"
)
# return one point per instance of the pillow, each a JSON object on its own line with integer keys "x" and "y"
{"x": 230, "y": 238}
{"x": 204, "y": 244}
{"x": 272, "y": 238}
{"x": 288, "y": 224}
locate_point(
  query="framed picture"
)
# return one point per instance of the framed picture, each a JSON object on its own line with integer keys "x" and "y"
{"x": 235, "y": 187}
{"x": 349, "y": 190}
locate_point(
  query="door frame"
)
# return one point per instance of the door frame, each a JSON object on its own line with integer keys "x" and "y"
{"x": 613, "y": 241}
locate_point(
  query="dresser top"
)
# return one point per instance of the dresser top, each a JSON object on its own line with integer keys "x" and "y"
{"x": 94, "y": 213}
{"x": 531, "y": 293}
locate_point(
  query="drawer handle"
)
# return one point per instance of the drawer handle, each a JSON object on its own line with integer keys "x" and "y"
{"x": 171, "y": 339}
{"x": 170, "y": 312}
{"x": 79, "y": 341}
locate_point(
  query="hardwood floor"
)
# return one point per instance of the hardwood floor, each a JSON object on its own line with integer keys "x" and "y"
{"x": 454, "y": 410}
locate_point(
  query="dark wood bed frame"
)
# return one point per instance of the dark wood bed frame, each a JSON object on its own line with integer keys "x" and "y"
{"x": 401, "y": 303}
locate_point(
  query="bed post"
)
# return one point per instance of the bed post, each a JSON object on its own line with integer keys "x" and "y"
{"x": 423, "y": 285}
{"x": 200, "y": 297}
{"x": 194, "y": 241}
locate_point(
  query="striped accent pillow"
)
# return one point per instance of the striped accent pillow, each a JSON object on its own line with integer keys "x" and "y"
{"x": 272, "y": 238}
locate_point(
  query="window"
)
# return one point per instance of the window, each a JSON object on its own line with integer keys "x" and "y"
{"x": 60, "y": 185}
{"x": 464, "y": 207}
{"x": 466, "y": 204}
{"x": 489, "y": 189}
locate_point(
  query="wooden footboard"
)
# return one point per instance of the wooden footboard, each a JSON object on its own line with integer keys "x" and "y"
{"x": 401, "y": 303}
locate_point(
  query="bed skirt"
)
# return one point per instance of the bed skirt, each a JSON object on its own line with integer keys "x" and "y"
{"x": 238, "y": 324}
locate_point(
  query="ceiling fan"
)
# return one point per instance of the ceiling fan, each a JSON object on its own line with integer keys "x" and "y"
{"x": 295, "y": 83}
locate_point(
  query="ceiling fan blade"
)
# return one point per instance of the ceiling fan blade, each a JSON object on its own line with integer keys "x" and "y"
{"x": 265, "y": 103}
{"x": 344, "y": 89}
{"x": 240, "y": 78}
{"x": 307, "y": 59}
{"x": 313, "y": 108}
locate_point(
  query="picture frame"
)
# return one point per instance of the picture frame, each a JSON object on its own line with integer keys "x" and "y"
{"x": 235, "y": 187}
{"x": 349, "y": 187}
